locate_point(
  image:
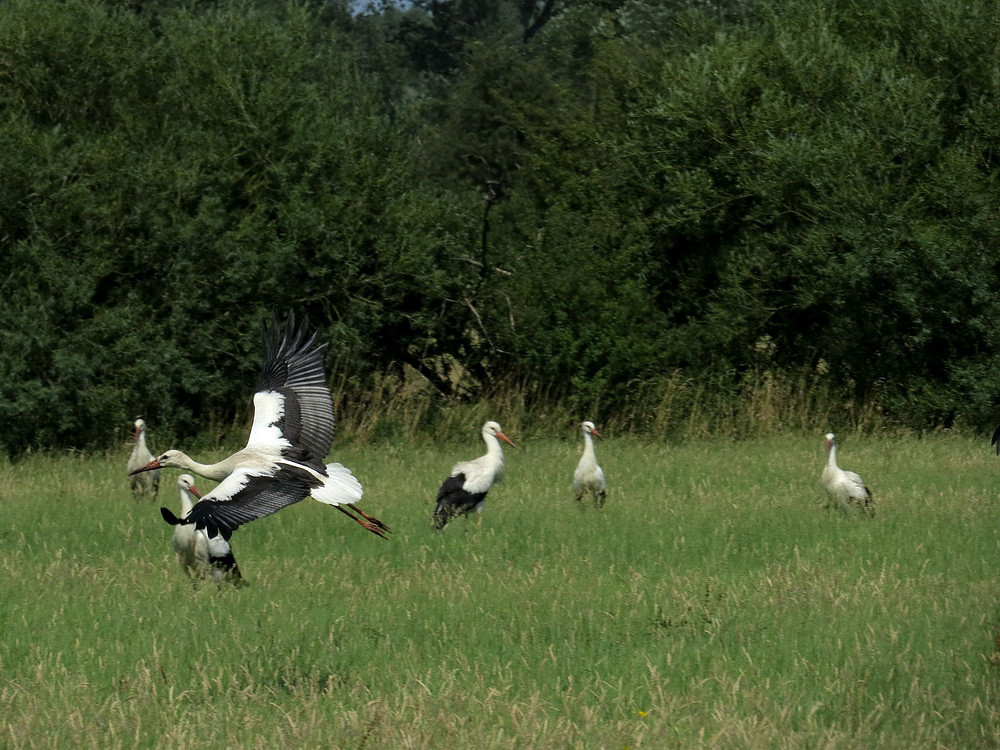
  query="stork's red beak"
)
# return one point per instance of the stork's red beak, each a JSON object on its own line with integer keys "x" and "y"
{"x": 596, "y": 434}
{"x": 506, "y": 439}
{"x": 195, "y": 491}
{"x": 154, "y": 464}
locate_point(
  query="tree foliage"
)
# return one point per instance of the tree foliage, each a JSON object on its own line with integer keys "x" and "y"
{"x": 587, "y": 196}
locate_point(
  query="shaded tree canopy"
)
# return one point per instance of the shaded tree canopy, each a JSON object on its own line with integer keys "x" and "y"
{"x": 584, "y": 195}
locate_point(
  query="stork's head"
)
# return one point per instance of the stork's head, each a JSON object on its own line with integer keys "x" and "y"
{"x": 493, "y": 428}
{"x": 139, "y": 424}
{"x": 589, "y": 428}
{"x": 170, "y": 458}
{"x": 186, "y": 482}
{"x": 829, "y": 441}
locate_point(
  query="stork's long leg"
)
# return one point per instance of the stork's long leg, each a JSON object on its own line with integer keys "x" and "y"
{"x": 374, "y": 520}
{"x": 370, "y": 525}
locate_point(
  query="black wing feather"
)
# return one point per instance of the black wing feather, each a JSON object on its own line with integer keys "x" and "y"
{"x": 260, "y": 496}
{"x": 453, "y": 500}
{"x": 450, "y": 486}
{"x": 460, "y": 502}
{"x": 996, "y": 439}
{"x": 293, "y": 367}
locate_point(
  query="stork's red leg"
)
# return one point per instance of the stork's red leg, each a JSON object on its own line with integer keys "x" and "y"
{"x": 366, "y": 524}
{"x": 374, "y": 520}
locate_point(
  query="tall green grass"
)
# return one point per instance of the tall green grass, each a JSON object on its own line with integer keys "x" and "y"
{"x": 761, "y": 402}
{"x": 713, "y": 602}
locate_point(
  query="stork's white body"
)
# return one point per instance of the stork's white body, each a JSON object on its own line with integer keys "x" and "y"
{"x": 282, "y": 463}
{"x": 148, "y": 482}
{"x": 185, "y": 536}
{"x": 202, "y": 557}
{"x": 336, "y": 486}
{"x": 589, "y": 476}
{"x": 465, "y": 489}
{"x": 845, "y": 488}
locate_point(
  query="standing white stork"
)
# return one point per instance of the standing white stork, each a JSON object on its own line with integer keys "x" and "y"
{"x": 589, "y": 476}
{"x": 282, "y": 462}
{"x": 201, "y": 556}
{"x": 148, "y": 482}
{"x": 845, "y": 487}
{"x": 464, "y": 491}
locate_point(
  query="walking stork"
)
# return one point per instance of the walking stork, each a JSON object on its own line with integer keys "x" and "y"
{"x": 464, "y": 491}
{"x": 845, "y": 487}
{"x": 201, "y": 556}
{"x": 589, "y": 476}
{"x": 283, "y": 461}
{"x": 148, "y": 482}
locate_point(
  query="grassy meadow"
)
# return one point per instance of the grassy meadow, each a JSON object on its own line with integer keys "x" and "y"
{"x": 713, "y": 602}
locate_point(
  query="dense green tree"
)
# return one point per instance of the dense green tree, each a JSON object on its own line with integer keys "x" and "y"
{"x": 188, "y": 183}
{"x": 794, "y": 184}
{"x": 583, "y": 196}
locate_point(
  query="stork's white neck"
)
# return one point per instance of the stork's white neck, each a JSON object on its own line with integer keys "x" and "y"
{"x": 216, "y": 472}
{"x": 186, "y": 504}
{"x": 493, "y": 446}
{"x": 831, "y": 456}
{"x": 588, "y": 445}
{"x": 494, "y": 454}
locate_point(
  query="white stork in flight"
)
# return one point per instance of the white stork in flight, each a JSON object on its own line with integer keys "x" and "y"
{"x": 845, "y": 487}
{"x": 283, "y": 461}
{"x": 202, "y": 556}
{"x": 589, "y": 476}
{"x": 145, "y": 483}
{"x": 464, "y": 491}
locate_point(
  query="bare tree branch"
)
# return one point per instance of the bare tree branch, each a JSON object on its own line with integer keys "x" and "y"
{"x": 533, "y": 27}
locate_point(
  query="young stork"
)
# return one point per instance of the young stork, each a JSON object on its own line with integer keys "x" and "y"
{"x": 200, "y": 556}
{"x": 145, "y": 483}
{"x": 589, "y": 476}
{"x": 464, "y": 491}
{"x": 845, "y": 487}
{"x": 282, "y": 462}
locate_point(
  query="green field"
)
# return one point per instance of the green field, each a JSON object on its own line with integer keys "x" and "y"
{"x": 714, "y": 602}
